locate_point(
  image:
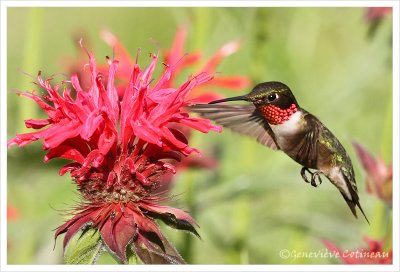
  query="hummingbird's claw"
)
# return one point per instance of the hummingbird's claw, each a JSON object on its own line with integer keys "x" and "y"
{"x": 303, "y": 174}
{"x": 313, "y": 179}
{"x": 314, "y": 176}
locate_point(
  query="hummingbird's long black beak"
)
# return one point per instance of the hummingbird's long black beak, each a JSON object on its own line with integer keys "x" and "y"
{"x": 236, "y": 98}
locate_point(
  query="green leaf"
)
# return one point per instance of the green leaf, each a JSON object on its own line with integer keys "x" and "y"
{"x": 84, "y": 247}
{"x": 132, "y": 259}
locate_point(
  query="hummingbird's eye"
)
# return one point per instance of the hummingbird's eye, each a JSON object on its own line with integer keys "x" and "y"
{"x": 272, "y": 97}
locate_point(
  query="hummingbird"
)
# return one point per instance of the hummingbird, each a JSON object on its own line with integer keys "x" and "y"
{"x": 275, "y": 119}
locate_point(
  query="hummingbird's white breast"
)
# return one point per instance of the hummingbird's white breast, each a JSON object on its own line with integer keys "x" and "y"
{"x": 289, "y": 127}
{"x": 284, "y": 132}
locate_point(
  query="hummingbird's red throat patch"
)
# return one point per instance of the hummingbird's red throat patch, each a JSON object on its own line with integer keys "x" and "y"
{"x": 276, "y": 115}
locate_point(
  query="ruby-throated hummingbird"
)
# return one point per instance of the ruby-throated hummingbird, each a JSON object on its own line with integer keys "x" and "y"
{"x": 277, "y": 121}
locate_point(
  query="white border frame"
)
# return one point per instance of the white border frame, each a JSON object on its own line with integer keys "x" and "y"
{"x": 230, "y": 3}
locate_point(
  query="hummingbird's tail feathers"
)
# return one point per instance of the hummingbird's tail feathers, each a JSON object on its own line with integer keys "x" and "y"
{"x": 362, "y": 211}
{"x": 244, "y": 119}
{"x": 351, "y": 205}
{"x": 354, "y": 201}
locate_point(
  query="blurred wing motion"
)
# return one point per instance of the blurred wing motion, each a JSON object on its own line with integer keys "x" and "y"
{"x": 245, "y": 119}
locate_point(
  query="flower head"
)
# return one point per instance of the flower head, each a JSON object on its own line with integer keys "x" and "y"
{"x": 372, "y": 254}
{"x": 180, "y": 60}
{"x": 119, "y": 149}
{"x": 379, "y": 175}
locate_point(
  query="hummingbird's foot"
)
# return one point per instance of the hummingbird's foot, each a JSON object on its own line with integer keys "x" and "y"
{"x": 303, "y": 174}
{"x": 314, "y": 176}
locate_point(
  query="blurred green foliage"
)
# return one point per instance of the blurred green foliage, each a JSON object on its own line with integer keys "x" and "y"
{"x": 255, "y": 204}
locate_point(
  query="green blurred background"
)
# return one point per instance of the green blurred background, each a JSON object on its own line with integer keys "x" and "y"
{"x": 256, "y": 203}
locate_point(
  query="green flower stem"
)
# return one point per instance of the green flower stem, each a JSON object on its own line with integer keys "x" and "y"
{"x": 31, "y": 59}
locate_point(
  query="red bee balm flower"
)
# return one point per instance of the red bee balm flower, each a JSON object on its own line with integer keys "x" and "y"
{"x": 119, "y": 151}
{"x": 379, "y": 176}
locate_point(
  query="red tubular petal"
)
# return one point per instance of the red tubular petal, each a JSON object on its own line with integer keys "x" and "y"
{"x": 50, "y": 111}
{"x": 110, "y": 179}
{"x": 193, "y": 82}
{"x": 37, "y": 124}
{"x": 91, "y": 124}
{"x": 170, "y": 137}
{"x": 90, "y": 161}
{"x": 204, "y": 98}
{"x": 146, "y": 76}
{"x": 230, "y": 82}
{"x": 203, "y": 125}
{"x": 169, "y": 167}
{"x": 189, "y": 59}
{"x": 69, "y": 168}
{"x": 79, "y": 224}
{"x": 160, "y": 95}
{"x": 73, "y": 225}
{"x": 24, "y": 139}
{"x": 65, "y": 152}
{"x": 75, "y": 83}
{"x": 150, "y": 253}
{"x": 120, "y": 51}
{"x": 107, "y": 139}
{"x": 179, "y": 214}
{"x": 222, "y": 53}
{"x": 369, "y": 163}
{"x": 131, "y": 165}
{"x": 145, "y": 131}
{"x": 176, "y": 51}
{"x": 142, "y": 179}
{"x": 113, "y": 106}
{"x": 117, "y": 234}
{"x": 147, "y": 225}
{"x": 58, "y": 133}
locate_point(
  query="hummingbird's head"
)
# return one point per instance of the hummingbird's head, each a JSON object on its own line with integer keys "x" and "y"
{"x": 272, "y": 93}
{"x": 266, "y": 93}
{"x": 273, "y": 99}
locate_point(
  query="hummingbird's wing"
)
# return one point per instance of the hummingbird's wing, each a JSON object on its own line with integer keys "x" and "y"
{"x": 307, "y": 153}
{"x": 244, "y": 119}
